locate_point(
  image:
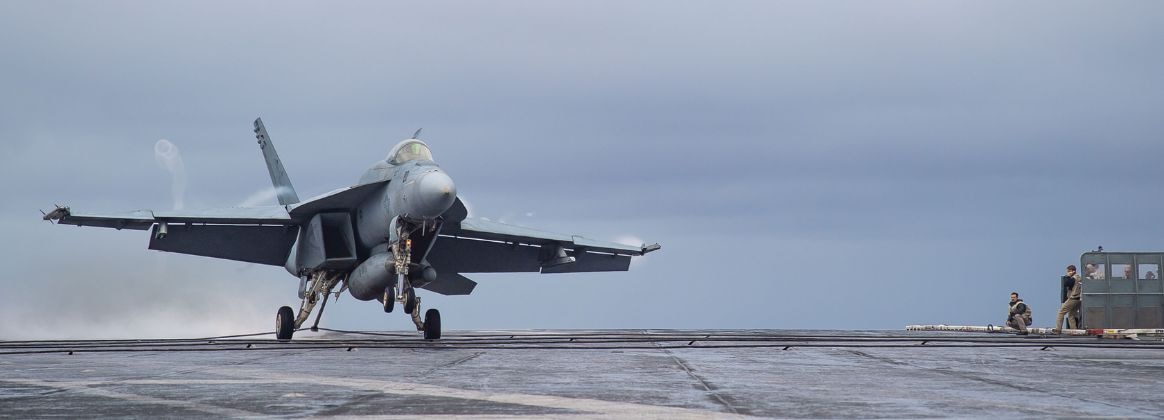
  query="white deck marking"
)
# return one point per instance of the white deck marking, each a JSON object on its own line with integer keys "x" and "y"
{"x": 587, "y": 405}
{"x": 591, "y": 408}
{"x": 84, "y": 387}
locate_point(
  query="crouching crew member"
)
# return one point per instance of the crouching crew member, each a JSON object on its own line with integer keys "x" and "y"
{"x": 1019, "y": 316}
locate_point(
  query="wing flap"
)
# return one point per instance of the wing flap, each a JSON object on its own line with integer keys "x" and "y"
{"x": 268, "y": 245}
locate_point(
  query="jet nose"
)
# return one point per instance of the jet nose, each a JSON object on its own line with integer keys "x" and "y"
{"x": 437, "y": 193}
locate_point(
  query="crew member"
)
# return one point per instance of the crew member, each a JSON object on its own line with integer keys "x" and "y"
{"x": 1093, "y": 271}
{"x": 1020, "y": 314}
{"x": 1019, "y": 317}
{"x": 1070, "y": 307}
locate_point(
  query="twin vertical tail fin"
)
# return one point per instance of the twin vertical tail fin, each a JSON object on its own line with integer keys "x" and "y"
{"x": 283, "y": 189}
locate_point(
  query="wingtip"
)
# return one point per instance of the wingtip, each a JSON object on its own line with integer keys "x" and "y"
{"x": 651, "y": 248}
{"x": 57, "y": 214}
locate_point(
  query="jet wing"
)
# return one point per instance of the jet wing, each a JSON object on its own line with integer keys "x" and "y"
{"x": 481, "y": 246}
{"x": 261, "y": 235}
{"x": 143, "y": 219}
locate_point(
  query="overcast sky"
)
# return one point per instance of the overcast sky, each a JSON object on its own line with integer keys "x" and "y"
{"x": 851, "y": 165}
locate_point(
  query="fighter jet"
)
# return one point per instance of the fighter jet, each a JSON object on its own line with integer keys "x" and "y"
{"x": 400, "y": 228}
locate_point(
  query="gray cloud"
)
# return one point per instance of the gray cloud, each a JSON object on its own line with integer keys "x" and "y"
{"x": 870, "y": 165}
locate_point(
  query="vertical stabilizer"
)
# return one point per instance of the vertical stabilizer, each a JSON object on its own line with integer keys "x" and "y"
{"x": 279, "y": 179}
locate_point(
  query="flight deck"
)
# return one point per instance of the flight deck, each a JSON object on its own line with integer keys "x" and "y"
{"x": 602, "y": 373}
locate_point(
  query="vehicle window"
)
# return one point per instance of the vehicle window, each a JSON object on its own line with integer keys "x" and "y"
{"x": 1093, "y": 271}
{"x": 1149, "y": 271}
{"x": 1122, "y": 271}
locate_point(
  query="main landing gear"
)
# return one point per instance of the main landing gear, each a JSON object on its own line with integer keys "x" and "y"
{"x": 321, "y": 283}
{"x": 317, "y": 286}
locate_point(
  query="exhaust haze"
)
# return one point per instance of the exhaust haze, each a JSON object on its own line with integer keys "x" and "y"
{"x": 169, "y": 158}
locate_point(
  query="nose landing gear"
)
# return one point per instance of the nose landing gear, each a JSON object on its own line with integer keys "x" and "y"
{"x": 432, "y": 324}
{"x": 402, "y": 255}
{"x": 409, "y": 298}
{"x": 389, "y": 299}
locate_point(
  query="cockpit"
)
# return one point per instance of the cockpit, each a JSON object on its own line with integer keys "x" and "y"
{"x": 409, "y": 150}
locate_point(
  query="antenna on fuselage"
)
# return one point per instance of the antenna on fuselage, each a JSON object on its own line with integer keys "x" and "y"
{"x": 416, "y": 135}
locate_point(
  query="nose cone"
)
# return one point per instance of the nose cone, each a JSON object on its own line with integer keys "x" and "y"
{"x": 436, "y": 194}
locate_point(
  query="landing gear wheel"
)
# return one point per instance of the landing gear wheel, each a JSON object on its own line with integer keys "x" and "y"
{"x": 432, "y": 324}
{"x": 389, "y": 299}
{"x": 284, "y": 323}
{"x": 409, "y": 300}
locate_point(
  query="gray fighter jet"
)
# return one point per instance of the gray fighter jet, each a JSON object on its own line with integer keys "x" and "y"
{"x": 401, "y": 227}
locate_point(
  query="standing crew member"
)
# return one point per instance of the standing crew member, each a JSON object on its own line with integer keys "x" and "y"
{"x": 1070, "y": 307}
{"x": 1020, "y": 314}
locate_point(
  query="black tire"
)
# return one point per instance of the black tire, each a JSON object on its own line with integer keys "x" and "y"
{"x": 409, "y": 300}
{"x": 432, "y": 324}
{"x": 389, "y": 299}
{"x": 284, "y": 323}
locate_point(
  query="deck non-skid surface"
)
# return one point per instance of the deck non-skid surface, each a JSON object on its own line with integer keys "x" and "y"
{"x": 625, "y": 373}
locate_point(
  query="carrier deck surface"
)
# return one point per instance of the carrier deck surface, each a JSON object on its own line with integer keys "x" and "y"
{"x": 611, "y": 373}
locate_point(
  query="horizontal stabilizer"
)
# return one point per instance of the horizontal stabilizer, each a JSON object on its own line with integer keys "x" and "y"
{"x": 451, "y": 284}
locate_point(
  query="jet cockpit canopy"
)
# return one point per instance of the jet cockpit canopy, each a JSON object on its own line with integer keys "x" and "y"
{"x": 409, "y": 150}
